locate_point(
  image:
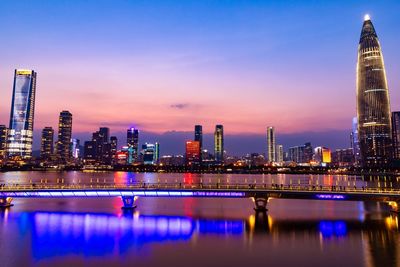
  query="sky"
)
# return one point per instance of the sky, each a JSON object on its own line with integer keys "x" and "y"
{"x": 164, "y": 66}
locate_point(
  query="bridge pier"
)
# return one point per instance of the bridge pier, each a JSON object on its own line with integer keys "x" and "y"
{"x": 128, "y": 202}
{"x": 5, "y": 202}
{"x": 260, "y": 204}
{"x": 394, "y": 206}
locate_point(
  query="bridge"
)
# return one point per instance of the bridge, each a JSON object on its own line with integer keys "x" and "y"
{"x": 259, "y": 193}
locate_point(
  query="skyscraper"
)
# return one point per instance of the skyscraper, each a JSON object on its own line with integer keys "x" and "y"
{"x": 271, "y": 146}
{"x": 75, "y": 148}
{"x": 20, "y": 134}
{"x": 3, "y": 141}
{"x": 132, "y": 140}
{"x": 192, "y": 152}
{"x": 373, "y": 108}
{"x": 63, "y": 145}
{"x": 219, "y": 144}
{"x": 114, "y": 148}
{"x": 279, "y": 153}
{"x": 198, "y": 136}
{"x": 396, "y": 134}
{"x": 150, "y": 153}
{"x": 355, "y": 144}
{"x": 46, "y": 146}
{"x": 104, "y": 146}
{"x": 322, "y": 155}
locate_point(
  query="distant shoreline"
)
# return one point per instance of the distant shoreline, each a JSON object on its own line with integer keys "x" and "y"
{"x": 214, "y": 170}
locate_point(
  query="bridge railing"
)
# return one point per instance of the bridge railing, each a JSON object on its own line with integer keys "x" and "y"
{"x": 195, "y": 186}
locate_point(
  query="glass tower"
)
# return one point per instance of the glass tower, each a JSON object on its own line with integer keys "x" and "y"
{"x": 373, "y": 107}
{"x": 219, "y": 144}
{"x": 132, "y": 139}
{"x": 271, "y": 144}
{"x": 20, "y": 134}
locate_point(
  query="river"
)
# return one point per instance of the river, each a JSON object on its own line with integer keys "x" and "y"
{"x": 196, "y": 231}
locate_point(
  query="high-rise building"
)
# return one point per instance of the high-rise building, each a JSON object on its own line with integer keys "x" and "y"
{"x": 132, "y": 140}
{"x": 322, "y": 155}
{"x": 373, "y": 107}
{"x": 279, "y": 153}
{"x": 46, "y": 146}
{"x": 101, "y": 151}
{"x": 219, "y": 144}
{"x": 355, "y": 144}
{"x": 150, "y": 153}
{"x": 104, "y": 134}
{"x": 343, "y": 157}
{"x": 396, "y": 134}
{"x": 301, "y": 154}
{"x": 104, "y": 146}
{"x": 76, "y": 151}
{"x": 20, "y": 134}
{"x": 308, "y": 152}
{"x": 63, "y": 146}
{"x": 198, "y": 135}
{"x": 271, "y": 146}
{"x": 114, "y": 148}
{"x": 3, "y": 141}
{"x": 296, "y": 154}
{"x": 89, "y": 151}
{"x": 192, "y": 152}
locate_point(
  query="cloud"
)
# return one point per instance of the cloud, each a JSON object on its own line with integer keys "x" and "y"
{"x": 180, "y": 106}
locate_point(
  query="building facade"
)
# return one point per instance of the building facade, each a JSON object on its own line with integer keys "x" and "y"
{"x": 198, "y": 136}
{"x": 322, "y": 155}
{"x": 219, "y": 144}
{"x": 3, "y": 142}
{"x": 132, "y": 140}
{"x": 373, "y": 107}
{"x": 271, "y": 145}
{"x": 20, "y": 134}
{"x": 63, "y": 146}
{"x": 47, "y": 143}
{"x": 279, "y": 153}
{"x": 396, "y": 134}
{"x": 192, "y": 152}
{"x": 354, "y": 141}
{"x": 150, "y": 153}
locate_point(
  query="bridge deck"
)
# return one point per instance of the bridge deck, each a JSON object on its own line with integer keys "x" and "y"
{"x": 199, "y": 190}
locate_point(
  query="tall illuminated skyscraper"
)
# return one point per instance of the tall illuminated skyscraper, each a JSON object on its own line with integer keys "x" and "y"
{"x": 132, "y": 140}
{"x": 63, "y": 145}
{"x": 373, "y": 107}
{"x": 219, "y": 144}
{"x": 271, "y": 146}
{"x": 20, "y": 134}
{"x": 150, "y": 153}
{"x": 192, "y": 152}
{"x": 355, "y": 144}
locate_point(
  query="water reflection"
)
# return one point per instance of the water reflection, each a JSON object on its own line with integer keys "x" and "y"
{"x": 62, "y": 234}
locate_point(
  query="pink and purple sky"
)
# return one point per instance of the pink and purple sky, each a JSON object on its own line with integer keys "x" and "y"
{"x": 167, "y": 65}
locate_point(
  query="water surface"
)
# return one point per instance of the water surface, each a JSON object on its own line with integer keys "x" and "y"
{"x": 196, "y": 231}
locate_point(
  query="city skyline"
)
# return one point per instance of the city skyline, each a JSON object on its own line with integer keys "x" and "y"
{"x": 174, "y": 107}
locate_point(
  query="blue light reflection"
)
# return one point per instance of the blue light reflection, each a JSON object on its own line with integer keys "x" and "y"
{"x": 60, "y": 234}
{"x": 332, "y": 228}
